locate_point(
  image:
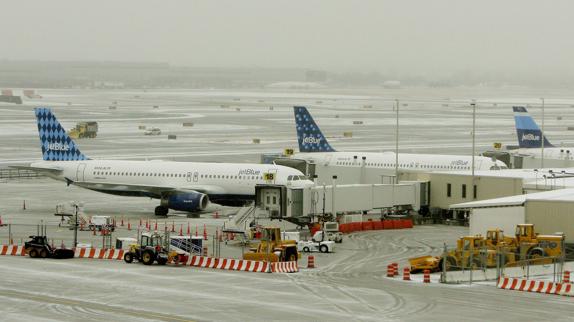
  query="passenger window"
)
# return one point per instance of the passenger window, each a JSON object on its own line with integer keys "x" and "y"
{"x": 289, "y": 178}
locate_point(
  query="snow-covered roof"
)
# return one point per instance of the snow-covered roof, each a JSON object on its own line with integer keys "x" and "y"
{"x": 519, "y": 200}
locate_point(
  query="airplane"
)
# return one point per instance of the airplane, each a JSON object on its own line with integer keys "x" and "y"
{"x": 529, "y": 138}
{"x": 314, "y": 146}
{"x": 181, "y": 186}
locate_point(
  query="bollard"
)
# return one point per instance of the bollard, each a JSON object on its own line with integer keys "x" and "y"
{"x": 310, "y": 261}
{"x": 426, "y": 278}
{"x": 204, "y": 232}
{"x": 181, "y": 230}
{"x": 390, "y": 270}
{"x": 24, "y": 205}
{"x": 155, "y": 226}
{"x": 122, "y": 223}
{"x": 566, "y": 278}
{"x": 396, "y": 268}
{"x": 205, "y": 251}
{"x": 129, "y": 225}
{"x": 406, "y": 274}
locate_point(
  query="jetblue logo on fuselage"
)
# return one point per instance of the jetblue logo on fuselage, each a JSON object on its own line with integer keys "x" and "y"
{"x": 58, "y": 147}
{"x": 530, "y": 137}
{"x": 459, "y": 162}
{"x": 311, "y": 140}
{"x": 249, "y": 172}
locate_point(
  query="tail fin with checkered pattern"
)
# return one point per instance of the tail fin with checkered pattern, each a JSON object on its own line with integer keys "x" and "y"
{"x": 55, "y": 142}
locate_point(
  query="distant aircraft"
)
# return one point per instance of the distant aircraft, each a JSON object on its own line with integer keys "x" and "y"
{"x": 183, "y": 186}
{"x": 314, "y": 146}
{"x": 530, "y": 138}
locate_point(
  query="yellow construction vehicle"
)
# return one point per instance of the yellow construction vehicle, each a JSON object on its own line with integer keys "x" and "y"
{"x": 531, "y": 245}
{"x": 84, "y": 130}
{"x": 272, "y": 248}
{"x": 479, "y": 251}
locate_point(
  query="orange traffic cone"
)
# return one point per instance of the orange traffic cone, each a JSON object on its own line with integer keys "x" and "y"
{"x": 122, "y": 221}
{"x": 155, "y": 226}
{"x": 129, "y": 225}
{"x": 181, "y": 230}
{"x": 196, "y": 233}
{"x": 311, "y": 261}
{"x": 173, "y": 227}
{"x": 204, "y": 232}
{"x": 188, "y": 229}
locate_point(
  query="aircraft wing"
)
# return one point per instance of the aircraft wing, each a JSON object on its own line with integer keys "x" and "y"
{"x": 54, "y": 170}
{"x": 152, "y": 191}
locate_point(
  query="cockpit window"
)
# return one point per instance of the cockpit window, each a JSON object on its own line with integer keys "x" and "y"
{"x": 289, "y": 178}
{"x": 295, "y": 178}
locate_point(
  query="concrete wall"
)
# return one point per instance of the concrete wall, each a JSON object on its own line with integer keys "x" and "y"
{"x": 505, "y": 218}
{"x": 551, "y": 217}
{"x": 487, "y": 188}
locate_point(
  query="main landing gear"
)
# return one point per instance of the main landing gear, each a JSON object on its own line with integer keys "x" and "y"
{"x": 161, "y": 211}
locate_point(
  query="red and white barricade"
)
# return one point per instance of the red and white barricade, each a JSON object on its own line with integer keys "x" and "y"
{"x": 12, "y": 250}
{"x": 228, "y": 264}
{"x": 96, "y": 253}
{"x": 519, "y": 284}
{"x": 285, "y": 267}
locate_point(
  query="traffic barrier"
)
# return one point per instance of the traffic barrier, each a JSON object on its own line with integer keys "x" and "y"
{"x": 228, "y": 264}
{"x": 566, "y": 278}
{"x": 388, "y": 224}
{"x": 546, "y": 287}
{"x": 396, "y": 268}
{"x": 367, "y": 225}
{"x": 408, "y": 223}
{"x": 310, "y": 261}
{"x": 390, "y": 270}
{"x": 284, "y": 267}
{"x": 406, "y": 274}
{"x": 357, "y": 226}
{"x": 99, "y": 253}
{"x": 12, "y": 250}
{"x": 426, "y": 277}
{"x": 377, "y": 225}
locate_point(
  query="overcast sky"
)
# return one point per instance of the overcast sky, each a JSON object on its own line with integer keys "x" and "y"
{"x": 423, "y": 36}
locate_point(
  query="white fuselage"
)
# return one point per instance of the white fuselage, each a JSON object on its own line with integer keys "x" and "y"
{"x": 120, "y": 177}
{"x": 407, "y": 162}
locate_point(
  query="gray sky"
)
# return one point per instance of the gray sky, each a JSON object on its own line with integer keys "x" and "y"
{"x": 420, "y": 37}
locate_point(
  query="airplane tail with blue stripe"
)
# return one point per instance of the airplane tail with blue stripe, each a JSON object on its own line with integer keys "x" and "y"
{"x": 55, "y": 142}
{"x": 529, "y": 134}
{"x": 309, "y": 135}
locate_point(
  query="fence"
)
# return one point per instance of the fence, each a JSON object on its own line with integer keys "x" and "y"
{"x": 468, "y": 266}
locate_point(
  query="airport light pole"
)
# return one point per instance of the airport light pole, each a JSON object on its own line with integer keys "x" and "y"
{"x": 473, "y": 104}
{"x": 397, "y": 144}
{"x": 542, "y": 137}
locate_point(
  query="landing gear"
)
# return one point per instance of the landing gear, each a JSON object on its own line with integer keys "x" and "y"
{"x": 161, "y": 211}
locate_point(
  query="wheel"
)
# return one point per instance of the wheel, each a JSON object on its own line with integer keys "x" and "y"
{"x": 338, "y": 241}
{"x": 161, "y": 260}
{"x": 129, "y": 258}
{"x": 306, "y": 249}
{"x": 33, "y": 253}
{"x": 161, "y": 211}
{"x": 536, "y": 253}
{"x": 323, "y": 249}
{"x": 148, "y": 257}
{"x": 43, "y": 253}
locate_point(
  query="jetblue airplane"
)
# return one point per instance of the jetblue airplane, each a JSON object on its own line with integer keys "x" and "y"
{"x": 530, "y": 138}
{"x": 314, "y": 146}
{"x": 183, "y": 186}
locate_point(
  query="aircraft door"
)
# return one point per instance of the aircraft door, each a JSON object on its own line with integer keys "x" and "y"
{"x": 80, "y": 172}
{"x": 188, "y": 176}
{"x": 195, "y": 176}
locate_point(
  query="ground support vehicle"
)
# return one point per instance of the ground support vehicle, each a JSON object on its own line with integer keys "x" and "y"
{"x": 331, "y": 231}
{"x": 38, "y": 247}
{"x": 272, "y": 248}
{"x": 151, "y": 248}
{"x": 314, "y": 246}
{"x": 84, "y": 130}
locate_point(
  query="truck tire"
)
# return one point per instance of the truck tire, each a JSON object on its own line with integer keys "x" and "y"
{"x": 148, "y": 257}
{"x": 306, "y": 249}
{"x": 323, "y": 249}
{"x": 128, "y": 258}
{"x": 33, "y": 253}
{"x": 536, "y": 253}
{"x": 43, "y": 253}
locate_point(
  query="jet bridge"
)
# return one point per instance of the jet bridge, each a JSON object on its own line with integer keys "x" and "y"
{"x": 303, "y": 205}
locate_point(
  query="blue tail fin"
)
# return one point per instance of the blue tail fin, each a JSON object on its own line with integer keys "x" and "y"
{"x": 55, "y": 142}
{"x": 529, "y": 134}
{"x": 309, "y": 135}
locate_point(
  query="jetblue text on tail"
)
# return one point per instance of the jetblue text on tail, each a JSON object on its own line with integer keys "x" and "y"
{"x": 529, "y": 134}
{"x": 309, "y": 135}
{"x": 55, "y": 142}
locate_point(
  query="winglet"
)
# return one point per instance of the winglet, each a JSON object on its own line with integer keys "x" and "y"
{"x": 309, "y": 135}
{"x": 529, "y": 134}
{"x": 55, "y": 142}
